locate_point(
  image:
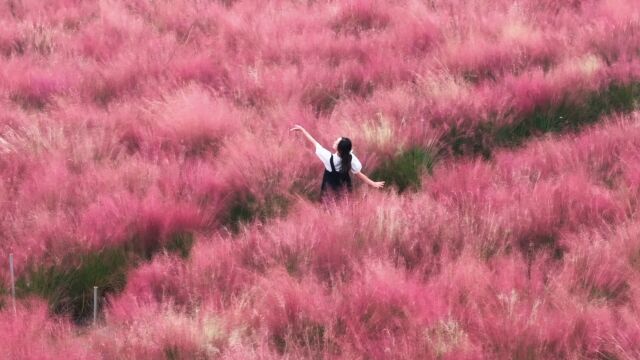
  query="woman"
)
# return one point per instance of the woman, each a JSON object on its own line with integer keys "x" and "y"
{"x": 337, "y": 166}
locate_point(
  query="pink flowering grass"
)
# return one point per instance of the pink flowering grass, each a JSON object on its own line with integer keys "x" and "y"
{"x": 429, "y": 275}
{"x": 31, "y": 334}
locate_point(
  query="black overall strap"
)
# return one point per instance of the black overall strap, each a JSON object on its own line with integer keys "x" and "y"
{"x": 333, "y": 168}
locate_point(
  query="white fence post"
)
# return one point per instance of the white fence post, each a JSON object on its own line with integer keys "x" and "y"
{"x": 95, "y": 304}
{"x": 13, "y": 283}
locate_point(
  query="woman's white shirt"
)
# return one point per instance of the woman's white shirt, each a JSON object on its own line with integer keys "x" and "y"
{"x": 325, "y": 155}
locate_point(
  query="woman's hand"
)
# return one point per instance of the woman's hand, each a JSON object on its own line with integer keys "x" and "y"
{"x": 296, "y": 128}
{"x": 365, "y": 178}
{"x": 306, "y": 134}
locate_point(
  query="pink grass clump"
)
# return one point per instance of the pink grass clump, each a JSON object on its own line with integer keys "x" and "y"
{"x": 30, "y": 333}
{"x": 194, "y": 118}
{"x": 33, "y": 87}
{"x": 161, "y": 332}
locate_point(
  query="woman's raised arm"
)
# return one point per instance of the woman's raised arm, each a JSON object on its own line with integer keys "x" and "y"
{"x": 306, "y": 134}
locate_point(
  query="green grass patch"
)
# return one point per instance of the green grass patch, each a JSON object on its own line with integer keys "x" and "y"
{"x": 569, "y": 114}
{"x": 146, "y": 244}
{"x": 68, "y": 286}
{"x": 242, "y": 210}
{"x": 322, "y": 100}
{"x": 405, "y": 170}
{"x": 171, "y": 352}
{"x": 246, "y": 208}
{"x": 180, "y": 243}
{"x": 305, "y": 333}
{"x": 4, "y": 296}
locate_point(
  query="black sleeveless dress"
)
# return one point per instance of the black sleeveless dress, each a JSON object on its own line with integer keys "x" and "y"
{"x": 335, "y": 182}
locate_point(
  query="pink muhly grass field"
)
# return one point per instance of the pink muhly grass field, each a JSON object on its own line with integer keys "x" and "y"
{"x": 144, "y": 149}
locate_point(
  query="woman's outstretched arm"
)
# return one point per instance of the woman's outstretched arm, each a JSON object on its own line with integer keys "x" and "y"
{"x": 306, "y": 134}
{"x": 365, "y": 178}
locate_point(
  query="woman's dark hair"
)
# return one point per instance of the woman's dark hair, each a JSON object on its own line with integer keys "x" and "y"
{"x": 344, "y": 151}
